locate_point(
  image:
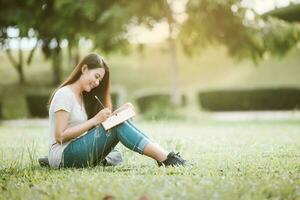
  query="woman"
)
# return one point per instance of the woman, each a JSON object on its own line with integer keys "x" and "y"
{"x": 76, "y": 137}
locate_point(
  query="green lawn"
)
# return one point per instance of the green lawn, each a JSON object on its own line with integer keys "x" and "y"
{"x": 257, "y": 159}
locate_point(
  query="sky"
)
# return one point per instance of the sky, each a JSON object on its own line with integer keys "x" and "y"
{"x": 261, "y": 6}
{"x": 160, "y": 31}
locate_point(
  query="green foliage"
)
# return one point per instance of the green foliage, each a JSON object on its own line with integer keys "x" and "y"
{"x": 250, "y": 99}
{"x": 106, "y": 23}
{"x": 289, "y": 13}
{"x": 1, "y": 108}
{"x": 159, "y": 112}
{"x": 279, "y": 42}
{"x": 226, "y": 22}
{"x": 37, "y": 105}
{"x": 159, "y": 106}
{"x": 52, "y": 23}
{"x": 211, "y": 22}
{"x": 37, "y": 100}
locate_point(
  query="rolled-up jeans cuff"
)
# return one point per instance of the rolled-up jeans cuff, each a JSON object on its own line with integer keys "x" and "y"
{"x": 141, "y": 146}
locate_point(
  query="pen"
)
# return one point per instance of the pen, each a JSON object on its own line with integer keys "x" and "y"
{"x": 99, "y": 101}
{"x": 108, "y": 131}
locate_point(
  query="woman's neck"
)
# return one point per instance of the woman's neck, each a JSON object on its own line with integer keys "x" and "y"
{"x": 76, "y": 87}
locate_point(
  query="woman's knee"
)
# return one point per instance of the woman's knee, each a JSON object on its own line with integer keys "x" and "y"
{"x": 96, "y": 131}
{"x": 123, "y": 125}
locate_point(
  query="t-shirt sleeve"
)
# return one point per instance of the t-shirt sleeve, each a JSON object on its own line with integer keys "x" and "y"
{"x": 62, "y": 101}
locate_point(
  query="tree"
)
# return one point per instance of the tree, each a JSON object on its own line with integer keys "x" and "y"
{"x": 149, "y": 13}
{"x": 105, "y": 23}
{"x": 290, "y": 13}
{"x": 173, "y": 26}
{"x": 165, "y": 11}
{"x": 16, "y": 15}
{"x": 240, "y": 29}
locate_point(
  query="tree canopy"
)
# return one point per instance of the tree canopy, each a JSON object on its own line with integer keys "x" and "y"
{"x": 106, "y": 23}
{"x": 53, "y": 22}
{"x": 245, "y": 33}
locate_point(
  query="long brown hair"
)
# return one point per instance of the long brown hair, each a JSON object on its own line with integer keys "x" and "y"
{"x": 102, "y": 91}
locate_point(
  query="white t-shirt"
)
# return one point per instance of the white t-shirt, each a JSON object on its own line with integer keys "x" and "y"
{"x": 63, "y": 99}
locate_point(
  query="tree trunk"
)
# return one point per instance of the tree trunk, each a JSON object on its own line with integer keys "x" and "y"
{"x": 31, "y": 54}
{"x": 20, "y": 70}
{"x": 56, "y": 66}
{"x": 19, "y": 66}
{"x": 70, "y": 55}
{"x": 175, "y": 93}
{"x": 76, "y": 55}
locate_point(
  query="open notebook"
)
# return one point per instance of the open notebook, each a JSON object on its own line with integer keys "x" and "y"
{"x": 118, "y": 118}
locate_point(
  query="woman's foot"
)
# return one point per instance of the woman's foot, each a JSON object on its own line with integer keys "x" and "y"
{"x": 162, "y": 157}
{"x": 173, "y": 159}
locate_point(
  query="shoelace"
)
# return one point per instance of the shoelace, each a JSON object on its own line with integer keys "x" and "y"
{"x": 181, "y": 159}
{"x": 173, "y": 155}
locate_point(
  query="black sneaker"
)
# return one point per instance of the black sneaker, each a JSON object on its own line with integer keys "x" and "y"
{"x": 173, "y": 159}
{"x": 159, "y": 163}
{"x": 44, "y": 162}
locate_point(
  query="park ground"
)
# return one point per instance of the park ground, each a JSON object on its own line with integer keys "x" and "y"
{"x": 243, "y": 156}
{"x": 231, "y": 158}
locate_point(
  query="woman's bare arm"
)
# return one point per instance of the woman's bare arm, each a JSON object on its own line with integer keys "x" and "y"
{"x": 64, "y": 134}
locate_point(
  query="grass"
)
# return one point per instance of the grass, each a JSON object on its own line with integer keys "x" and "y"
{"x": 256, "y": 159}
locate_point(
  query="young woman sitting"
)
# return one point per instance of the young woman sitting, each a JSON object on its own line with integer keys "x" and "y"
{"x": 76, "y": 137}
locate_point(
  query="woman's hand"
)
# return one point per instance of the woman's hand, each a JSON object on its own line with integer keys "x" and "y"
{"x": 101, "y": 116}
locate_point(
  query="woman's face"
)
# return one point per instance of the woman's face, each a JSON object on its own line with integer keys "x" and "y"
{"x": 91, "y": 78}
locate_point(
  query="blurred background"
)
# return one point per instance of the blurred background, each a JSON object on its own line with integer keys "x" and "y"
{"x": 173, "y": 59}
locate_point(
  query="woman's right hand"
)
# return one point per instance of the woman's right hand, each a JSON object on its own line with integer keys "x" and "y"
{"x": 101, "y": 116}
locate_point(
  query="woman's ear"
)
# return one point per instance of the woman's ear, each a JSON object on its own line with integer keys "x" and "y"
{"x": 84, "y": 69}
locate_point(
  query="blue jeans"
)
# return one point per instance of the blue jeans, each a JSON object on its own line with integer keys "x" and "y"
{"x": 93, "y": 147}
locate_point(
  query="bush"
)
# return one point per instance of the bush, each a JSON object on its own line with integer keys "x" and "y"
{"x": 118, "y": 96}
{"x": 158, "y": 106}
{"x": 37, "y": 105}
{"x": 1, "y": 112}
{"x": 37, "y": 101}
{"x": 255, "y": 99}
{"x": 158, "y": 112}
